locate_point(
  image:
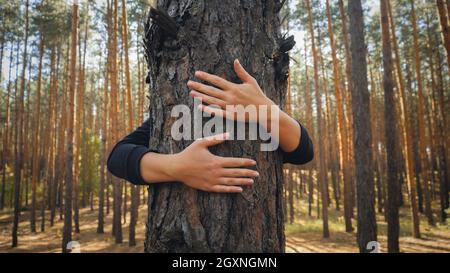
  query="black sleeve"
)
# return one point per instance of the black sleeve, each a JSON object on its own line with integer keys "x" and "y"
{"x": 304, "y": 152}
{"x": 124, "y": 160}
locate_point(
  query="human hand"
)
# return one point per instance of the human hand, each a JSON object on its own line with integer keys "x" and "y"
{"x": 198, "y": 168}
{"x": 223, "y": 93}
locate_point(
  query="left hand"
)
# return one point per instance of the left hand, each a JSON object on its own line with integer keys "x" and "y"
{"x": 223, "y": 93}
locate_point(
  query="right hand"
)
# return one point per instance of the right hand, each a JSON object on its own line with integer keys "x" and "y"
{"x": 198, "y": 168}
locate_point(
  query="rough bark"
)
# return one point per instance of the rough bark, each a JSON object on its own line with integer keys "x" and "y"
{"x": 392, "y": 147}
{"x": 209, "y": 35}
{"x": 367, "y": 228}
{"x": 67, "y": 229}
{"x": 18, "y": 148}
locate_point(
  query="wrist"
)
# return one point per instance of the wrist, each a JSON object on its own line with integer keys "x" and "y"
{"x": 158, "y": 168}
{"x": 270, "y": 115}
{"x": 171, "y": 167}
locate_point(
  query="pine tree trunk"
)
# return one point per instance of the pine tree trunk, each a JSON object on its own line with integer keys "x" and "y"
{"x": 342, "y": 132}
{"x": 308, "y": 122}
{"x": 348, "y": 207}
{"x": 208, "y": 38}
{"x": 367, "y": 227}
{"x": 117, "y": 184}
{"x": 59, "y": 156}
{"x": 6, "y": 138}
{"x": 322, "y": 176}
{"x": 101, "y": 191}
{"x": 67, "y": 229}
{"x": 392, "y": 147}
{"x": 18, "y": 148}
{"x": 421, "y": 121}
{"x": 443, "y": 16}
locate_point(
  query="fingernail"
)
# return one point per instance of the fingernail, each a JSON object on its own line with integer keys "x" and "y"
{"x": 198, "y": 73}
{"x": 257, "y": 174}
{"x": 226, "y": 136}
{"x": 241, "y": 189}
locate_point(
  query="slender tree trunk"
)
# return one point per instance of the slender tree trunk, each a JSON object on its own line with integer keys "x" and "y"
{"x": 67, "y": 230}
{"x": 421, "y": 121}
{"x": 348, "y": 199}
{"x": 392, "y": 209}
{"x": 367, "y": 228}
{"x": 320, "y": 134}
{"x": 59, "y": 156}
{"x": 117, "y": 186}
{"x": 18, "y": 148}
{"x": 101, "y": 193}
{"x": 36, "y": 124}
{"x": 6, "y": 138}
{"x": 443, "y": 16}
{"x": 308, "y": 122}
{"x": 342, "y": 132}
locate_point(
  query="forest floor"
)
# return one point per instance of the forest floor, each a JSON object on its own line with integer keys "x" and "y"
{"x": 304, "y": 236}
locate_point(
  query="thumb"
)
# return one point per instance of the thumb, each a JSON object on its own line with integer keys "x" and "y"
{"x": 241, "y": 72}
{"x": 214, "y": 140}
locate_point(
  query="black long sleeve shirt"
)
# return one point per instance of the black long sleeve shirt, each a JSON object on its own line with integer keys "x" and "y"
{"x": 124, "y": 160}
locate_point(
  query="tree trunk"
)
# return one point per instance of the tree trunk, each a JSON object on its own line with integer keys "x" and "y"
{"x": 322, "y": 176}
{"x": 420, "y": 113}
{"x": 392, "y": 147}
{"x": 36, "y": 132}
{"x": 117, "y": 184}
{"x": 67, "y": 229}
{"x": 443, "y": 16}
{"x": 6, "y": 138}
{"x": 104, "y": 150}
{"x": 206, "y": 36}
{"x": 342, "y": 132}
{"x": 367, "y": 227}
{"x": 348, "y": 207}
{"x": 60, "y": 147}
{"x": 18, "y": 148}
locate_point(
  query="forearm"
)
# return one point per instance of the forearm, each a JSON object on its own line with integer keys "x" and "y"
{"x": 157, "y": 168}
{"x": 289, "y": 131}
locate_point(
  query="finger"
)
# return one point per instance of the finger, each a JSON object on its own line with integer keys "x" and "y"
{"x": 208, "y": 99}
{"x": 241, "y": 72}
{"x": 214, "y": 80}
{"x": 206, "y": 89}
{"x": 214, "y": 140}
{"x": 230, "y": 162}
{"x": 239, "y": 173}
{"x": 226, "y": 189}
{"x": 236, "y": 182}
{"x": 217, "y": 112}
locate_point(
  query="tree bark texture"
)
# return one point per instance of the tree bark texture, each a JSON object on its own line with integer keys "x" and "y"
{"x": 182, "y": 37}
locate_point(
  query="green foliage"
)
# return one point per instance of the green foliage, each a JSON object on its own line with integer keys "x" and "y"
{"x": 53, "y": 20}
{"x": 10, "y": 19}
